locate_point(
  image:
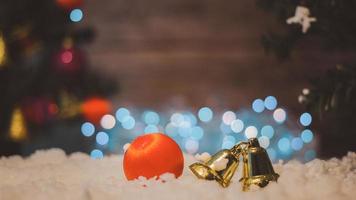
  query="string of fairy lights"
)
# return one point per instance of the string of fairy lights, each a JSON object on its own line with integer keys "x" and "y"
{"x": 207, "y": 130}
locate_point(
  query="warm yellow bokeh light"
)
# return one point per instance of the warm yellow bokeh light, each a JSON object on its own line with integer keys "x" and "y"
{"x": 18, "y": 129}
{"x": 2, "y": 50}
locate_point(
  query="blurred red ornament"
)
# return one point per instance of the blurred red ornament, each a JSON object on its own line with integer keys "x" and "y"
{"x": 153, "y": 155}
{"x": 39, "y": 110}
{"x": 70, "y": 61}
{"x": 69, "y": 4}
{"x": 94, "y": 108}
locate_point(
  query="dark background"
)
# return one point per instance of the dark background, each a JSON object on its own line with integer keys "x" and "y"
{"x": 185, "y": 54}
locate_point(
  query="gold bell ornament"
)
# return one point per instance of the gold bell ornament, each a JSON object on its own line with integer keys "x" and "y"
{"x": 257, "y": 167}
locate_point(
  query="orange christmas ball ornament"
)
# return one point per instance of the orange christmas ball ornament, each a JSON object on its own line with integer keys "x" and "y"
{"x": 94, "y": 108}
{"x": 153, "y": 155}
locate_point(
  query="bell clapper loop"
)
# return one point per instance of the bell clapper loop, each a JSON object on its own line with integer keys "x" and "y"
{"x": 238, "y": 148}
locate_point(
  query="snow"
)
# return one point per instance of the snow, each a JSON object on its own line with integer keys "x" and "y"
{"x": 52, "y": 175}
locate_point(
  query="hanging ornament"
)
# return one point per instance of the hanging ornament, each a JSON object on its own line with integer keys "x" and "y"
{"x": 2, "y": 51}
{"x": 221, "y": 167}
{"x": 39, "y": 110}
{"x": 68, "y": 106}
{"x": 18, "y": 129}
{"x": 94, "y": 108}
{"x": 152, "y": 155}
{"x": 302, "y": 17}
{"x": 69, "y": 4}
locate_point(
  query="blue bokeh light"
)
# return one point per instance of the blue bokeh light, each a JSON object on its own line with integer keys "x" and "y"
{"x": 270, "y": 102}
{"x": 151, "y": 129}
{"x": 305, "y": 119}
{"x": 284, "y": 145}
{"x": 190, "y": 118}
{"x": 150, "y": 117}
{"x": 76, "y": 15}
{"x": 297, "y": 144}
{"x": 309, "y": 155}
{"x": 184, "y": 131}
{"x": 230, "y": 139}
{"x": 88, "y": 129}
{"x": 237, "y": 126}
{"x": 128, "y": 123}
{"x": 96, "y": 154}
{"x": 177, "y": 119}
{"x": 307, "y": 136}
{"x": 267, "y": 131}
{"x": 171, "y": 130}
{"x": 205, "y": 114}
{"x": 227, "y": 144}
{"x": 272, "y": 154}
{"x": 197, "y": 133}
{"x": 121, "y": 114}
{"x": 258, "y": 105}
{"x": 225, "y": 128}
{"x": 102, "y": 138}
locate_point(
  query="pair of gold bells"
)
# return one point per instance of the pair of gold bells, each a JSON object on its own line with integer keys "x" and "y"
{"x": 257, "y": 167}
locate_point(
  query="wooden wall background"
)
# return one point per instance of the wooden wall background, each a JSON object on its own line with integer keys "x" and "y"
{"x": 190, "y": 53}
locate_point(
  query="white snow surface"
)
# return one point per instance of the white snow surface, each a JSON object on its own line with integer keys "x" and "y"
{"x": 52, "y": 175}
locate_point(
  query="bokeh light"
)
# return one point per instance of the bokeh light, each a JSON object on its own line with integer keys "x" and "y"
{"x": 171, "y": 130}
{"x": 284, "y": 145}
{"x": 102, "y": 138}
{"x": 251, "y": 132}
{"x": 279, "y": 115}
{"x": 151, "y": 129}
{"x": 191, "y": 146}
{"x": 205, "y": 114}
{"x": 230, "y": 139}
{"x": 96, "y": 154}
{"x": 177, "y": 119}
{"x": 128, "y": 123}
{"x": 227, "y": 144}
{"x": 258, "y": 105}
{"x": 226, "y": 129}
{"x": 122, "y": 113}
{"x": 297, "y": 144}
{"x": 67, "y": 56}
{"x": 272, "y": 154}
{"x": 264, "y": 141}
{"x": 270, "y": 103}
{"x": 228, "y": 117}
{"x": 307, "y": 136}
{"x": 197, "y": 133}
{"x": 267, "y": 131}
{"x": 108, "y": 121}
{"x": 305, "y": 119}
{"x": 88, "y": 129}
{"x": 237, "y": 126}
{"x": 190, "y": 118}
{"x": 190, "y": 133}
{"x": 150, "y": 117}
{"x": 76, "y": 15}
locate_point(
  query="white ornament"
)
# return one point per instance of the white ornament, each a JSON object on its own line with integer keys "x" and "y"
{"x": 203, "y": 157}
{"x": 302, "y": 17}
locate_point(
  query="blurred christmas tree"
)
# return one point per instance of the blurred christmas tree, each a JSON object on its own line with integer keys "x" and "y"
{"x": 332, "y": 97}
{"x": 44, "y": 73}
{"x": 329, "y": 22}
